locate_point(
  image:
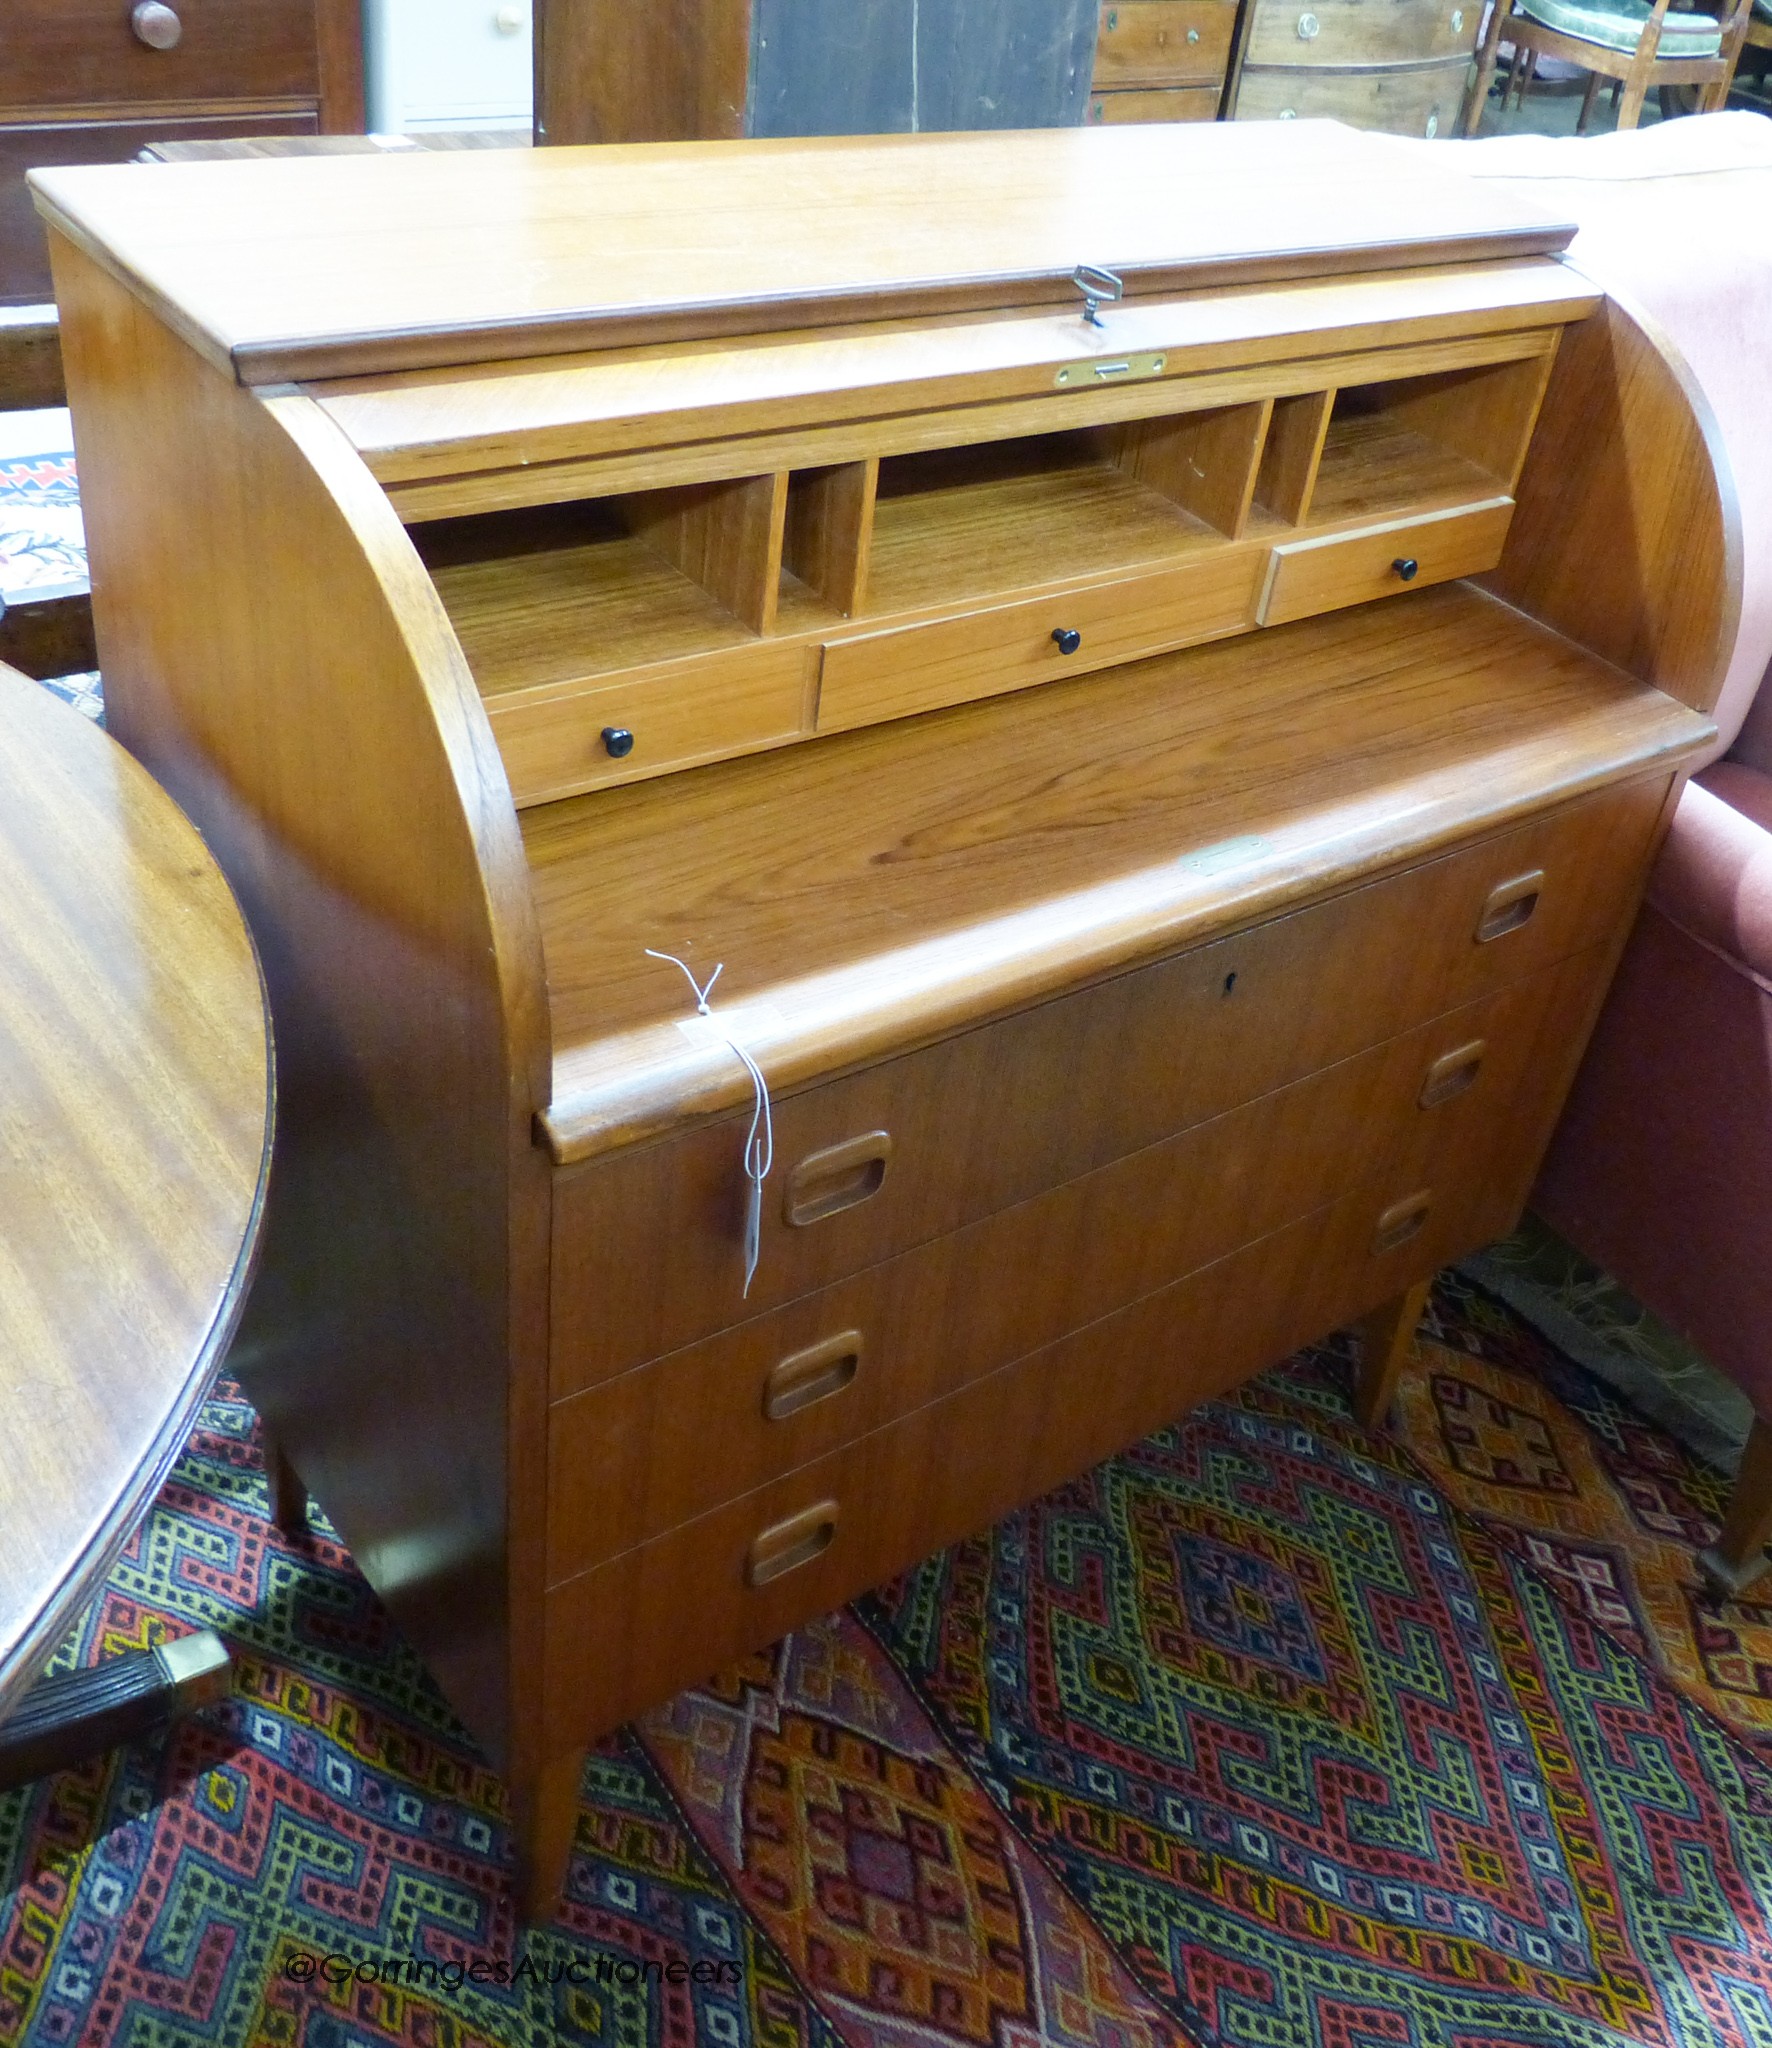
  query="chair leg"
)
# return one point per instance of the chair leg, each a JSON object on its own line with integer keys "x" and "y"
{"x": 1587, "y": 102}
{"x": 1738, "y": 1556}
{"x": 1528, "y": 71}
{"x": 1387, "y": 1342}
{"x": 1631, "y": 108}
{"x": 1479, "y": 98}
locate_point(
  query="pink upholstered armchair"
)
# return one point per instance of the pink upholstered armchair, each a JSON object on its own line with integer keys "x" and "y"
{"x": 1662, "y": 1169}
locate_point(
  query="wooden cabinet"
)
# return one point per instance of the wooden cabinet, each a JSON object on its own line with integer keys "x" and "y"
{"x": 96, "y": 81}
{"x": 1161, "y": 60}
{"x": 1162, "y": 796}
{"x": 1398, "y": 65}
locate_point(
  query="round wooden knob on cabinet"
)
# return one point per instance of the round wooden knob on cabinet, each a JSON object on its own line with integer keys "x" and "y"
{"x": 1406, "y": 566}
{"x": 155, "y": 25}
{"x": 1066, "y": 639}
{"x": 618, "y": 742}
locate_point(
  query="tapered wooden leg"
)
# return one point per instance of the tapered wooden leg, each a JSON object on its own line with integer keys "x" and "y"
{"x": 546, "y": 1815}
{"x": 289, "y": 1497}
{"x": 1738, "y": 1556}
{"x": 1387, "y": 1340}
{"x": 1587, "y": 102}
{"x": 1630, "y": 108}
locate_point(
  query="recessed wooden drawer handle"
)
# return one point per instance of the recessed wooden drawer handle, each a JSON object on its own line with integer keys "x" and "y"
{"x": 156, "y": 26}
{"x": 1401, "y": 1221}
{"x": 812, "y": 1375}
{"x": 825, "y": 1182}
{"x": 1452, "y": 1073}
{"x": 790, "y": 1544}
{"x": 1509, "y": 905}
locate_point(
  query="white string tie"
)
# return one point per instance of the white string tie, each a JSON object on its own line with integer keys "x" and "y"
{"x": 759, "y": 1144}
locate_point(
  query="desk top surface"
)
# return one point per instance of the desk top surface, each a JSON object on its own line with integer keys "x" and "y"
{"x": 344, "y": 265}
{"x": 135, "y": 1124}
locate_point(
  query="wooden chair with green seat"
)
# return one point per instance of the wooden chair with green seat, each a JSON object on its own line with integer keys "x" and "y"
{"x": 1637, "y": 45}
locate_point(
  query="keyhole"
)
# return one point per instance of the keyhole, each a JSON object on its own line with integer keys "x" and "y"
{"x": 1230, "y": 982}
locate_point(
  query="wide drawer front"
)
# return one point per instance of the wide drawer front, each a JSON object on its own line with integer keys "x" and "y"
{"x": 1323, "y": 574}
{"x": 1163, "y": 42}
{"x": 1360, "y": 32}
{"x": 1406, "y": 101}
{"x": 655, "y": 1447}
{"x": 916, "y": 1147}
{"x": 560, "y": 742}
{"x": 1159, "y": 103}
{"x": 63, "y": 53}
{"x": 636, "y": 1630}
{"x": 906, "y": 669}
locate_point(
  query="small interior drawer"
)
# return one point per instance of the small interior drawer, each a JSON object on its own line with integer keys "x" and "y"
{"x": 906, "y": 669}
{"x": 655, "y": 1447}
{"x": 1354, "y": 32}
{"x": 559, "y": 742}
{"x": 1163, "y": 42}
{"x": 1158, "y": 103}
{"x": 1325, "y": 572}
{"x": 1136, "y": 1058}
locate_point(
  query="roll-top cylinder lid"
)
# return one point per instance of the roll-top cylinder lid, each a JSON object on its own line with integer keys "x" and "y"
{"x": 327, "y": 266}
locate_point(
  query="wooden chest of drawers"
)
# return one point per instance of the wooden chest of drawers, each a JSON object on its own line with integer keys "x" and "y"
{"x": 1163, "y": 793}
{"x": 1398, "y": 65}
{"x": 1161, "y": 60}
{"x": 95, "y": 81}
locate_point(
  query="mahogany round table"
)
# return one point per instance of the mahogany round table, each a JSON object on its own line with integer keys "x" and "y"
{"x": 136, "y": 1101}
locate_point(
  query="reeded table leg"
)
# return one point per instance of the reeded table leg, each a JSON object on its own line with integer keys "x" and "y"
{"x": 67, "y": 1720}
{"x": 1387, "y": 1339}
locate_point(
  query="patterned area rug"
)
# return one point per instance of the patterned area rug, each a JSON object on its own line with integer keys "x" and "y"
{"x": 1269, "y": 1732}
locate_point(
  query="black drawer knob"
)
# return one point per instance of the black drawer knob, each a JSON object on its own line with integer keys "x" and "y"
{"x": 1066, "y": 639}
{"x": 1406, "y": 566}
{"x": 618, "y": 742}
{"x": 159, "y": 27}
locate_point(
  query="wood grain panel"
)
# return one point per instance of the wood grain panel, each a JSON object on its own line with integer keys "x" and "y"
{"x": 518, "y": 416}
{"x": 1407, "y": 100}
{"x": 1627, "y": 535}
{"x": 639, "y": 1628}
{"x": 1132, "y": 1059}
{"x": 1360, "y": 32}
{"x": 1163, "y": 42}
{"x": 77, "y": 53}
{"x": 886, "y": 886}
{"x": 340, "y": 265}
{"x": 658, "y": 1445}
{"x": 394, "y": 919}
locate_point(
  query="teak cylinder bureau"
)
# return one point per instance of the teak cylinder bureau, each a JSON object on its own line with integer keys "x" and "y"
{"x": 1165, "y": 784}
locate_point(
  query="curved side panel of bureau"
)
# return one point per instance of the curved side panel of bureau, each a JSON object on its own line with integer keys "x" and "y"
{"x": 1626, "y": 535}
{"x": 276, "y": 655}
